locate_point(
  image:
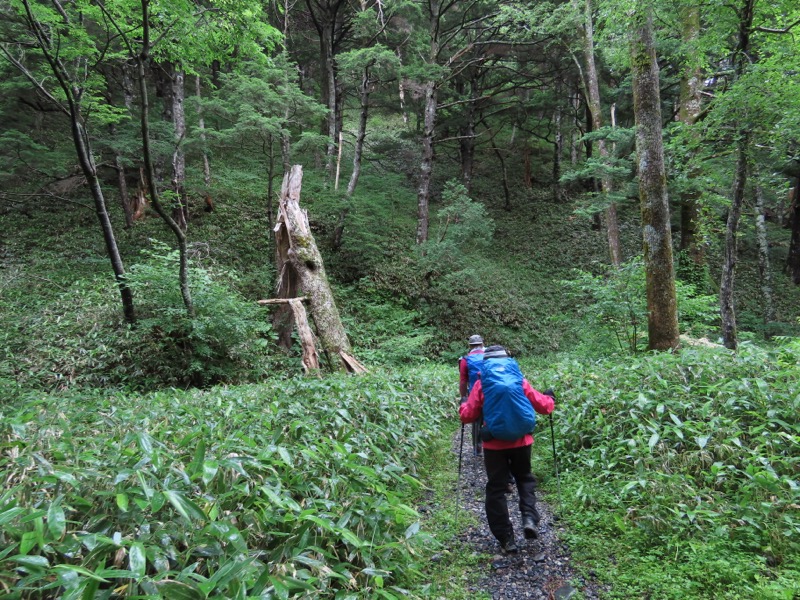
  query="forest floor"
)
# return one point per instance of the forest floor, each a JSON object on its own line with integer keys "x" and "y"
{"x": 542, "y": 569}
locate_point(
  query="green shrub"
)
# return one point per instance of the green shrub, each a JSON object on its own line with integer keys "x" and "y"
{"x": 297, "y": 488}
{"x": 225, "y": 340}
{"x": 616, "y": 302}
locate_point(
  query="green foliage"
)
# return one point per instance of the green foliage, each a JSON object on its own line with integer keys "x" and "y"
{"x": 383, "y": 330}
{"x": 617, "y": 303}
{"x": 227, "y": 337}
{"x": 679, "y": 470}
{"x": 81, "y": 340}
{"x": 293, "y": 489}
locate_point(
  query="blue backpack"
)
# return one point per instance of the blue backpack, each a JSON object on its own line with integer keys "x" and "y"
{"x": 474, "y": 365}
{"x": 507, "y": 412}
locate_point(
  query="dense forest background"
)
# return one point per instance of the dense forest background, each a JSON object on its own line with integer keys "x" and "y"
{"x": 581, "y": 179}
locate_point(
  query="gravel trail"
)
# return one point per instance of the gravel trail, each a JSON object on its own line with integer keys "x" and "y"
{"x": 541, "y": 570}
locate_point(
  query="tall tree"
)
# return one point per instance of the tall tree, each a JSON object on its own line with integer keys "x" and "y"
{"x": 67, "y": 53}
{"x": 741, "y": 59}
{"x": 662, "y": 310}
{"x": 592, "y": 87}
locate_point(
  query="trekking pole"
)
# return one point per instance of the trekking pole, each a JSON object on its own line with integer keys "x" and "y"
{"x": 458, "y": 481}
{"x": 460, "y": 452}
{"x": 555, "y": 459}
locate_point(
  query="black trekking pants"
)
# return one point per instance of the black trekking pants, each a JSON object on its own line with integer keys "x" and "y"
{"x": 499, "y": 464}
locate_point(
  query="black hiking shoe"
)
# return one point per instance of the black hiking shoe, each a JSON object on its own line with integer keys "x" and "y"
{"x": 529, "y": 527}
{"x": 509, "y": 546}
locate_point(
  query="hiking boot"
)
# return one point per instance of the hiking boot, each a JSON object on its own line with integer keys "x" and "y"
{"x": 529, "y": 527}
{"x": 509, "y": 546}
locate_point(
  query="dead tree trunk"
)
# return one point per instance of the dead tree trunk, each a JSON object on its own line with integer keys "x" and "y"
{"x": 302, "y": 261}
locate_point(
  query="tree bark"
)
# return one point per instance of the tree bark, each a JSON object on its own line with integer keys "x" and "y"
{"x": 180, "y": 211}
{"x": 431, "y": 92}
{"x": 362, "y": 129}
{"x": 688, "y": 112}
{"x": 662, "y": 310}
{"x": 726, "y": 288}
{"x": 764, "y": 270}
{"x": 793, "y": 259}
{"x": 302, "y": 258}
{"x": 119, "y": 162}
{"x": 467, "y": 136}
{"x": 201, "y": 126}
{"x": 595, "y": 109}
{"x": 183, "y": 255}
{"x": 726, "y": 291}
{"x": 426, "y": 166}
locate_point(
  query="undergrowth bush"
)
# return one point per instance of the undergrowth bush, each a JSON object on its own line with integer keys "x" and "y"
{"x": 301, "y": 488}
{"x": 82, "y": 341}
{"x": 613, "y": 307}
{"x": 703, "y": 444}
{"x": 227, "y": 339}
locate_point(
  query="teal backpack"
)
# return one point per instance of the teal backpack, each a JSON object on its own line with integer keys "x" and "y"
{"x": 507, "y": 412}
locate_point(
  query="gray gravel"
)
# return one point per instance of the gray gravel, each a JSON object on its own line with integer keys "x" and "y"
{"x": 541, "y": 570}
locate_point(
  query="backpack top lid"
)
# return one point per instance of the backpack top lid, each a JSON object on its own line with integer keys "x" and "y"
{"x": 495, "y": 352}
{"x": 507, "y": 412}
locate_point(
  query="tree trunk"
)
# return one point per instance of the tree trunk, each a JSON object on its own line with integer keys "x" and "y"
{"x": 119, "y": 162}
{"x": 595, "y": 109}
{"x": 201, "y": 126}
{"x": 180, "y": 211}
{"x": 558, "y": 151}
{"x": 688, "y": 112}
{"x": 329, "y": 93}
{"x": 467, "y": 137}
{"x": 764, "y": 271}
{"x": 180, "y": 235}
{"x": 662, "y": 310}
{"x": 726, "y": 288}
{"x": 83, "y": 150}
{"x": 362, "y": 129}
{"x": 301, "y": 256}
{"x": 86, "y": 159}
{"x": 426, "y": 167}
{"x": 726, "y": 291}
{"x": 793, "y": 259}
{"x": 504, "y": 172}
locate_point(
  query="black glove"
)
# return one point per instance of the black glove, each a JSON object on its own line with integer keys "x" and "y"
{"x": 550, "y": 392}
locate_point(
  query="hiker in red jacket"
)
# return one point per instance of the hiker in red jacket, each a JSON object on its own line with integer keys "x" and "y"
{"x": 503, "y": 457}
{"x": 469, "y": 369}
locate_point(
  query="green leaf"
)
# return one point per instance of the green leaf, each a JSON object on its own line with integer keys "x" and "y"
{"x": 32, "y": 562}
{"x": 81, "y": 571}
{"x": 186, "y": 508}
{"x": 137, "y": 560}
{"x": 122, "y": 502}
{"x": 210, "y": 469}
{"x": 56, "y": 520}
{"x": 177, "y": 590}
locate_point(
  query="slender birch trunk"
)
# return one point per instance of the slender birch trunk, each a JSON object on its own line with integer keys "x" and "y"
{"x": 201, "y": 127}
{"x": 764, "y": 270}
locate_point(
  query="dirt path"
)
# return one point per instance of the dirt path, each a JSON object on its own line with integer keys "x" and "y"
{"x": 542, "y": 568}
